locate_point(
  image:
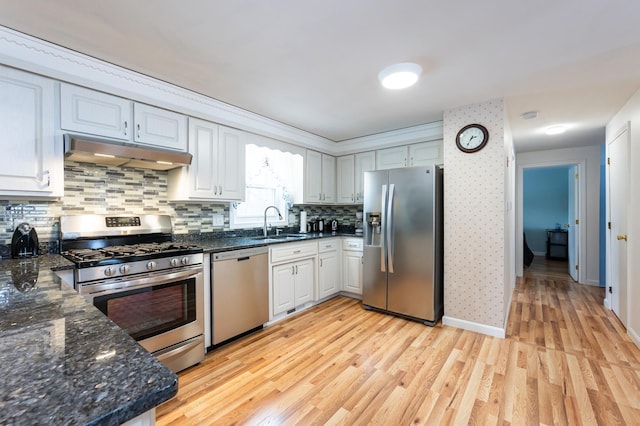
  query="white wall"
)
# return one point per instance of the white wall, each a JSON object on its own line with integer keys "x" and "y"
{"x": 588, "y": 159}
{"x": 630, "y": 112}
{"x": 477, "y": 259}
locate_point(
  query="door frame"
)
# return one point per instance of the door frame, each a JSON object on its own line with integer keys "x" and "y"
{"x": 582, "y": 190}
{"x": 608, "y": 301}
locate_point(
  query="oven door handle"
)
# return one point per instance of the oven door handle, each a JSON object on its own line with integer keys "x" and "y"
{"x": 122, "y": 284}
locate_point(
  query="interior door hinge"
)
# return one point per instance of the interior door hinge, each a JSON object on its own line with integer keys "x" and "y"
{"x": 609, "y": 225}
{"x": 577, "y": 268}
{"x": 609, "y": 161}
{"x": 577, "y": 221}
{"x": 610, "y": 289}
{"x": 577, "y": 176}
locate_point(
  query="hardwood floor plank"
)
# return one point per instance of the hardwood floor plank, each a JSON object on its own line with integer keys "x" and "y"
{"x": 566, "y": 360}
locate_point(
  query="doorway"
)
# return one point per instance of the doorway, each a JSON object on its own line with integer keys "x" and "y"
{"x": 550, "y": 215}
{"x": 574, "y": 167}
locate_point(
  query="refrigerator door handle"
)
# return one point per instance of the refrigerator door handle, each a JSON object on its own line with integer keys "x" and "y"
{"x": 389, "y": 227}
{"x": 383, "y": 224}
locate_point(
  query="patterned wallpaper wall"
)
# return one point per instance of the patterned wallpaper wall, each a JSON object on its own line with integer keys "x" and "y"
{"x": 99, "y": 189}
{"x": 474, "y": 221}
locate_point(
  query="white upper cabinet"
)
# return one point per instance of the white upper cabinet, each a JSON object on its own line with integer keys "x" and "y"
{"x": 87, "y": 111}
{"x": 426, "y": 153}
{"x": 391, "y": 158}
{"x": 346, "y": 186}
{"x": 320, "y": 178}
{"x": 217, "y": 170}
{"x": 364, "y": 162}
{"x": 159, "y": 127}
{"x": 351, "y": 170}
{"x": 32, "y": 162}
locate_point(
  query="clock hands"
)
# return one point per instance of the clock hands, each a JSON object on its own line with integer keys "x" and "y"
{"x": 470, "y": 139}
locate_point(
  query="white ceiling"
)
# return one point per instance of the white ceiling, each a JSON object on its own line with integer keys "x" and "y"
{"x": 314, "y": 64}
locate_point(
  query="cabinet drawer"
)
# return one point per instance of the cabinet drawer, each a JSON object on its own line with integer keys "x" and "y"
{"x": 328, "y": 245}
{"x": 285, "y": 252}
{"x": 354, "y": 244}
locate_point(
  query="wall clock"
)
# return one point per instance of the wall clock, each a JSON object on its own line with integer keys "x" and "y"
{"x": 472, "y": 138}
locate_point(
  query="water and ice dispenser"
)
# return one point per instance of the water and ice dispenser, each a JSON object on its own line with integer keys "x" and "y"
{"x": 374, "y": 229}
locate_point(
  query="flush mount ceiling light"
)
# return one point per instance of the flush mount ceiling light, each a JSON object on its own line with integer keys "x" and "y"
{"x": 400, "y": 76}
{"x": 529, "y": 115}
{"x": 555, "y": 130}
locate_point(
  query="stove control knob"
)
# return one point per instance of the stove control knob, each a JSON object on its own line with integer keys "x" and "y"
{"x": 185, "y": 260}
{"x": 174, "y": 262}
{"x": 151, "y": 266}
{"x": 110, "y": 271}
{"x": 124, "y": 269}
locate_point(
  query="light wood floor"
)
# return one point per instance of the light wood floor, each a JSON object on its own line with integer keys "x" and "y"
{"x": 566, "y": 360}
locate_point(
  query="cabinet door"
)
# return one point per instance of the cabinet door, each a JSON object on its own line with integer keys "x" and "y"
{"x": 231, "y": 164}
{"x": 303, "y": 282}
{"x": 284, "y": 284}
{"x": 313, "y": 177}
{"x": 31, "y": 163}
{"x": 159, "y": 127}
{"x": 364, "y": 162}
{"x": 426, "y": 153}
{"x": 328, "y": 179}
{"x": 352, "y": 272}
{"x": 345, "y": 188}
{"x": 328, "y": 274}
{"x": 203, "y": 146}
{"x": 391, "y": 158}
{"x": 96, "y": 113}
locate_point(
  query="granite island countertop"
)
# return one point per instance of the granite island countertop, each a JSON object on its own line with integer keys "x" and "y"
{"x": 62, "y": 362}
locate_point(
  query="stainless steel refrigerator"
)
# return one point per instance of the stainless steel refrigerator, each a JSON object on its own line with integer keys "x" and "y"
{"x": 403, "y": 242}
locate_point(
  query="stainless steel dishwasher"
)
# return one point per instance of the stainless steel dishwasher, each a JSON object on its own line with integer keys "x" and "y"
{"x": 240, "y": 292}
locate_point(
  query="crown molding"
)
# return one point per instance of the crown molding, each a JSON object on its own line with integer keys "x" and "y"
{"x": 408, "y": 135}
{"x": 31, "y": 54}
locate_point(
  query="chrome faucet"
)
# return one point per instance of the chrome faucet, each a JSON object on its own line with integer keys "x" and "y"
{"x": 264, "y": 231}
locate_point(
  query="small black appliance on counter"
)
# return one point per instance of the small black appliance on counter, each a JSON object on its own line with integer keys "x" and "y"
{"x": 24, "y": 242}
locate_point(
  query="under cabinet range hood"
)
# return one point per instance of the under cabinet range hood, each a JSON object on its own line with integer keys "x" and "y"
{"x": 114, "y": 153}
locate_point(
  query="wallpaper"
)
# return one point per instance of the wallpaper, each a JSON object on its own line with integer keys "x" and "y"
{"x": 474, "y": 221}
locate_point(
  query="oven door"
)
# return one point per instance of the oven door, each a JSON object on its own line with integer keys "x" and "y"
{"x": 159, "y": 309}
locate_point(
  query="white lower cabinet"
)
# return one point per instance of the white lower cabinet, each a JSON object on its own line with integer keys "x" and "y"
{"x": 328, "y": 268}
{"x": 292, "y": 285}
{"x": 352, "y": 265}
{"x": 292, "y": 268}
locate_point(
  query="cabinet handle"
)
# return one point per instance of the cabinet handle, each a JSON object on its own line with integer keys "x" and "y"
{"x": 352, "y": 197}
{"x": 293, "y": 270}
{"x": 220, "y": 186}
{"x": 126, "y": 127}
{"x": 138, "y": 130}
{"x": 48, "y": 174}
{"x": 296, "y": 251}
{"x": 321, "y": 263}
{"x": 215, "y": 189}
{"x": 296, "y": 269}
{"x": 405, "y": 161}
{"x": 319, "y": 196}
{"x": 362, "y": 260}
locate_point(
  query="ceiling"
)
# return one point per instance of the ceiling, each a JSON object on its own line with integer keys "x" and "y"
{"x": 314, "y": 65}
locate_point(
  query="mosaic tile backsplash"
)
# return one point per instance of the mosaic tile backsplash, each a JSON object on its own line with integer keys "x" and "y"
{"x": 98, "y": 189}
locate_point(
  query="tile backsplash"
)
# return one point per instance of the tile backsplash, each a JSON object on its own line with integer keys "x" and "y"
{"x": 98, "y": 189}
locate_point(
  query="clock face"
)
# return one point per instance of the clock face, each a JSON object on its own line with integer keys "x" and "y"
{"x": 472, "y": 138}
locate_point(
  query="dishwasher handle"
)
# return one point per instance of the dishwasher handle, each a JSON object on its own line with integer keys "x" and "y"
{"x": 240, "y": 259}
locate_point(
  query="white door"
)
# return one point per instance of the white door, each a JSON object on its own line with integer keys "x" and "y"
{"x": 573, "y": 227}
{"x": 618, "y": 173}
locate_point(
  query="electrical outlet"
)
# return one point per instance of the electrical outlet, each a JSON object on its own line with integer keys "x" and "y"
{"x": 218, "y": 219}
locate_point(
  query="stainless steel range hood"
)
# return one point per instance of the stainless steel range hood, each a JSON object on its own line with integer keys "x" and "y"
{"x": 114, "y": 153}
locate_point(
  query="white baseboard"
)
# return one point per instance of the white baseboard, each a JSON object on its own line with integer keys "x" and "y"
{"x": 474, "y": 326}
{"x": 607, "y": 303}
{"x": 634, "y": 336}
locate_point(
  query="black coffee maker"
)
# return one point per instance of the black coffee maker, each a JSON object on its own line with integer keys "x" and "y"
{"x": 24, "y": 242}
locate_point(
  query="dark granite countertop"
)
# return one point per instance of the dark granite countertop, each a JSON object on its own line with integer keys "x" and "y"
{"x": 62, "y": 362}
{"x": 217, "y": 245}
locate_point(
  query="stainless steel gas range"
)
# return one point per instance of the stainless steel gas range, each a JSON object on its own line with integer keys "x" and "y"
{"x": 153, "y": 288}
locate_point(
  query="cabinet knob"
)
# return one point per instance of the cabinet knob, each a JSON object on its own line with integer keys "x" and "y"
{"x": 138, "y": 130}
{"x": 126, "y": 127}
